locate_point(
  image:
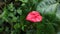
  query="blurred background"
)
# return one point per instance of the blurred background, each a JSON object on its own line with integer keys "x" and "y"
{"x": 13, "y": 16}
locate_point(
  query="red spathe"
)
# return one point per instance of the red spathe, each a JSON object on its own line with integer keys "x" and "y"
{"x": 34, "y": 16}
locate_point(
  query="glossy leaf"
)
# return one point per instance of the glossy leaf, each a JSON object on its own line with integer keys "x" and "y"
{"x": 58, "y": 12}
{"x": 47, "y": 7}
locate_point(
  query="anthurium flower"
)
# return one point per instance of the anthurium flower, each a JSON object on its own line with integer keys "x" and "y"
{"x": 34, "y": 16}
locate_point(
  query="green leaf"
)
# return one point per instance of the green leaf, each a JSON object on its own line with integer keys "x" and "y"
{"x": 4, "y": 15}
{"x": 14, "y": 19}
{"x": 58, "y": 12}
{"x": 23, "y": 4}
{"x": 19, "y": 11}
{"x": 47, "y": 7}
{"x": 23, "y": 27}
{"x": 11, "y": 7}
{"x": 40, "y": 28}
{"x": 11, "y": 14}
{"x": 35, "y": 1}
{"x": 24, "y": 1}
{"x": 58, "y": 32}
{"x": 4, "y": 12}
{"x": 1, "y": 21}
{"x": 17, "y": 25}
{"x": 50, "y": 29}
{"x": 58, "y": 0}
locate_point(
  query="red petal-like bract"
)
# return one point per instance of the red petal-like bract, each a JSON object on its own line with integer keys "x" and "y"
{"x": 34, "y": 16}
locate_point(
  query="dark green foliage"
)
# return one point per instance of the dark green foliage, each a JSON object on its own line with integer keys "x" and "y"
{"x": 13, "y": 16}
